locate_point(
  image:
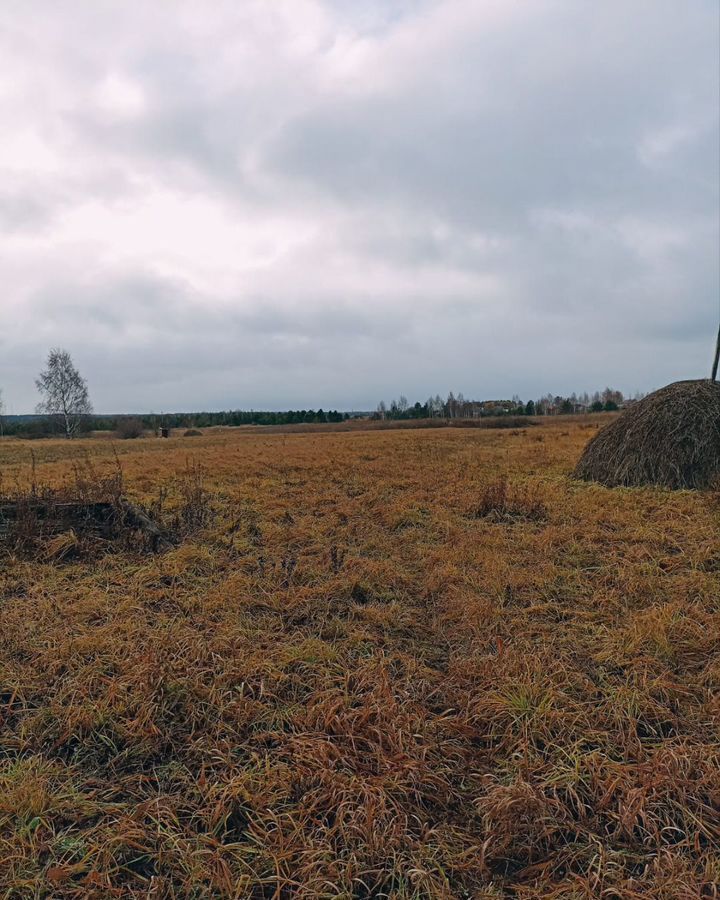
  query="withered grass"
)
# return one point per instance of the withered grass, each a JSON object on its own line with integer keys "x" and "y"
{"x": 407, "y": 664}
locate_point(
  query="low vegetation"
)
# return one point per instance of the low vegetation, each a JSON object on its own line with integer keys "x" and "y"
{"x": 129, "y": 428}
{"x": 502, "y": 504}
{"x": 407, "y": 664}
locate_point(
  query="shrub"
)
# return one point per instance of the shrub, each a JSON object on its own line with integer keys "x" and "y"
{"x": 192, "y": 432}
{"x": 129, "y": 429}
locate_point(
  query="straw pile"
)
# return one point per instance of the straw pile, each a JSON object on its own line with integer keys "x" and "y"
{"x": 670, "y": 438}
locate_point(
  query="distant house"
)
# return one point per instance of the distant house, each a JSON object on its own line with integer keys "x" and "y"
{"x": 496, "y": 407}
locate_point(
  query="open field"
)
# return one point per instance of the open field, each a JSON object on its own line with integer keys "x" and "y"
{"x": 408, "y": 664}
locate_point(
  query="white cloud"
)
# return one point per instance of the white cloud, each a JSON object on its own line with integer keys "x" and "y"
{"x": 120, "y": 96}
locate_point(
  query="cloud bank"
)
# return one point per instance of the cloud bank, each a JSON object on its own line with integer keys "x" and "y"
{"x": 311, "y": 203}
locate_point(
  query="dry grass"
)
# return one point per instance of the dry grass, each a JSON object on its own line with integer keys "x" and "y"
{"x": 670, "y": 438}
{"x": 345, "y": 682}
{"x": 87, "y": 513}
{"x": 502, "y": 504}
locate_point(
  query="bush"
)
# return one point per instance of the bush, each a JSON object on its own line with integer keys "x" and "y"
{"x": 192, "y": 432}
{"x": 32, "y": 431}
{"x": 129, "y": 429}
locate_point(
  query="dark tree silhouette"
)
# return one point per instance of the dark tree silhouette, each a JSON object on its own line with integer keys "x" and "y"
{"x": 64, "y": 392}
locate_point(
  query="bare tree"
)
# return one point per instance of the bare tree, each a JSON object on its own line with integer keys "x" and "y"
{"x": 2, "y": 412}
{"x": 64, "y": 392}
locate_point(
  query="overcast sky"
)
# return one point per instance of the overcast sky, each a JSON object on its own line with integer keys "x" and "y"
{"x": 302, "y": 203}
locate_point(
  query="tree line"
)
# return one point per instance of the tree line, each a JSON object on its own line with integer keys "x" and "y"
{"x": 45, "y": 426}
{"x": 65, "y": 408}
{"x": 458, "y": 407}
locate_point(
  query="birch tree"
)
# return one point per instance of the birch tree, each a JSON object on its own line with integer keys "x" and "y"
{"x": 64, "y": 392}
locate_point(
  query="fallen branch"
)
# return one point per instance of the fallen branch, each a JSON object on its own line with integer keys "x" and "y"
{"x": 136, "y": 518}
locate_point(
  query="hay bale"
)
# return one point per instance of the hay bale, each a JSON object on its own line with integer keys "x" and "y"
{"x": 670, "y": 438}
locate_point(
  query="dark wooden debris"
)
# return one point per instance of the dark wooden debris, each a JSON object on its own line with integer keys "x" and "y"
{"x": 134, "y": 517}
{"x": 44, "y": 518}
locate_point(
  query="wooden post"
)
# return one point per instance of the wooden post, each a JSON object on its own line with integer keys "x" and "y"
{"x": 713, "y": 377}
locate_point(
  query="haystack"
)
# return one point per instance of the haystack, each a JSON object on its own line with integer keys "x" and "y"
{"x": 669, "y": 438}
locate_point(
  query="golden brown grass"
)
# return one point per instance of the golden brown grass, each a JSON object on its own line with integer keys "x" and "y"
{"x": 348, "y": 682}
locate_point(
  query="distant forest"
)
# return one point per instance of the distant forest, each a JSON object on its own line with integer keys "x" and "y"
{"x": 452, "y": 407}
{"x": 43, "y": 426}
{"x": 457, "y": 407}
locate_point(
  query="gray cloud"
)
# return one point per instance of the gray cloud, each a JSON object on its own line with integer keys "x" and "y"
{"x": 328, "y": 203}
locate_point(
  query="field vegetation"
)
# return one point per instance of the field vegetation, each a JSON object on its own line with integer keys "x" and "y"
{"x": 393, "y": 663}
